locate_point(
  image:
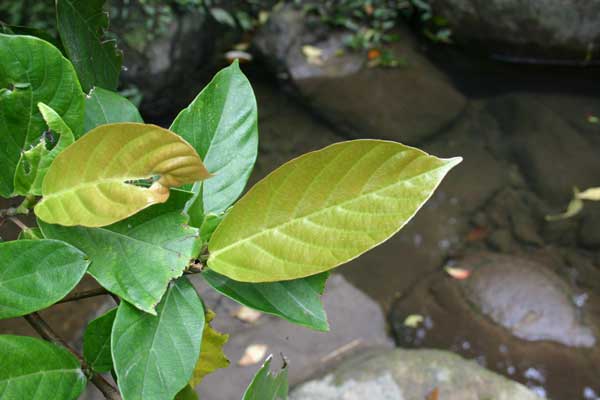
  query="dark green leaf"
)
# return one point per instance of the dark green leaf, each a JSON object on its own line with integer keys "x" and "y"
{"x": 137, "y": 257}
{"x": 35, "y": 274}
{"x": 96, "y": 342}
{"x": 106, "y": 107}
{"x": 154, "y": 357}
{"x": 32, "y": 71}
{"x": 82, "y": 24}
{"x": 26, "y": 30}
{"x": 298, "y": 300}
{"x": 267, "y": 385}
{"x": 221, "y": 124}
{"x": 36, "y": 370}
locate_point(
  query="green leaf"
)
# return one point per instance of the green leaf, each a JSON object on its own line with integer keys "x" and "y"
{"x": 32, "y": 71}
{"x": 211, "y": 352}
{"x": 35, "y": 274}
{"x": 36, "y": 370}
{"x": 34, "y": 163}
{"x": 221, "y": 124}
{"x": 82, "y": 25}
{"x": 187, "y": 393}
{"x": 29, "y": 31}
{"x": 154, "y": 357}
{"x": 298, "y": 301}
{"x": 30, "y": 233}
{"x": 324, "y": 209}
{"x": 87, "y": 184}
{"x": 136, "y": 258}
{"x": 208, "y": 225}
{"x": 267, "y": 385}
{"x": 96, "y": 342}
{"x": 106, "y": 107}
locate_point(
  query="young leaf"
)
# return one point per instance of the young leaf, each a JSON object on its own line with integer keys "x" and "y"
{"x": 81, "y": 25}
{"x": 34, "y": 163}
{"x": 35, "y": 274}
{"x": 154, "y": 357}
{"x": 324, "y": 209}
{"x": 87, "y": 184}
{"x": 211, "y": 352}
{"x": 146, "y": 250}
{"x": 32, "y": 71}
{"x": 267, "y": 385}
{"x": 221, "y": 124}
{"x": 96, "y": 342}
{"x": 36, "y": 370}
{"x": 106, "y": 107}
{"x": 297, "y": 301}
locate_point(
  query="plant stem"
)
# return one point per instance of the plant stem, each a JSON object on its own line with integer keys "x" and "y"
{"x": 18, "y": 223}
{"x": 22, "y": 208}
{"x": 44, "y": 330}
{"x": 84, "y": 294}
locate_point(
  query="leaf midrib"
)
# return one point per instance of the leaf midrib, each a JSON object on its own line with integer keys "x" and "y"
{"x": 262, "y": 232}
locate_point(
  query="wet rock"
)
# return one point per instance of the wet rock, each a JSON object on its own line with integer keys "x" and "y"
{"x": 515, "y": 316}
{"x": 410, "y": 375}
{"x": 589, "y": 233}
{"x": 526, "y": 299}
{"x": 356, "y": 323}
{"x": 407, "y": 104}
{"x": 171, "y": 57}
{"x": 501, "y": 240}
{"x": 551, "y": 151}
{"x": 550, "y": 30}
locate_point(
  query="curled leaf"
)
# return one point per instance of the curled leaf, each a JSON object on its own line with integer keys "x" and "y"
{"x": 90, "y": 182}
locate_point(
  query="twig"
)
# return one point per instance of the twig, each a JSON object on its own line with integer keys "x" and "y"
{"x": 84, "y": 294}
{"x": 22, "y": 208}
{"x": 44, "y": 330}
{"x": 18, "y": 223}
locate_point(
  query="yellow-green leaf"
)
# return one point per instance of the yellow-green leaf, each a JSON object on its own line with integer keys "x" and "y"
{"x": 211, "y": 351}
{"x": 89, "y": 183}
{"x": 323, "y": 209}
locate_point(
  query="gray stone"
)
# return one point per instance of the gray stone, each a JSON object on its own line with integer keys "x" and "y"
{"x": 356, "y": 323}
{"x": 411, "y": 375}
{"x": 552, "y": 30}
{"x": 525, "y": 298}
{"x": 407, "y": 104}
{"x": 501, "y": 240}
{"x": 481, "y": 320}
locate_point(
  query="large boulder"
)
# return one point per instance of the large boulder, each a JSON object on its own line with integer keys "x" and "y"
{"x": 411, "y": 375}
{"x": 409, "y": 103}
{"x": 170, "y": 57}
{"x": 515, "y": 315}
{"x": 549, "y": 30}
